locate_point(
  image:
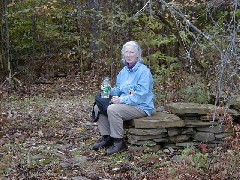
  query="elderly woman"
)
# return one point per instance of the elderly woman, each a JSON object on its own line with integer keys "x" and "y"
{"x": 132, "y": 98}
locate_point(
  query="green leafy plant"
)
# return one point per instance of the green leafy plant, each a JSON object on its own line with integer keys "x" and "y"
{"x": 197, "y": 93}
{"x": 198, "y": 160}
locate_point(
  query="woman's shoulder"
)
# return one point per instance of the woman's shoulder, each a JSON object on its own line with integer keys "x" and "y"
{"x": 144, "y": 67}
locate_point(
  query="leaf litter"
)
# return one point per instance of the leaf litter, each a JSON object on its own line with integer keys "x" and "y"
{"x": 47, "y": 134}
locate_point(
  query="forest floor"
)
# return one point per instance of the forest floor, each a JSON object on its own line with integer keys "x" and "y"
{"x": 46, "y": 133}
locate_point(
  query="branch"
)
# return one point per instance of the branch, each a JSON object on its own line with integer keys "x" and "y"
{"x": 188, "y": 22}
{"x": 141, "y": 10}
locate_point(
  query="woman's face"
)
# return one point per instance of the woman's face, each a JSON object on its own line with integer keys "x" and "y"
{"x": 130, "y": 55}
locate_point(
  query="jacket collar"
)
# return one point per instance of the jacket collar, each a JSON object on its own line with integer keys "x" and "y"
{"x": 135, "y": 68}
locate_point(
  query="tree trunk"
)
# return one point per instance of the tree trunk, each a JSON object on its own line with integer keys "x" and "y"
{"x": 5, "y": 52}
{"x": 93, "y": 6}
{"x": 1, "y": 42}
{"x": 94, "y": 26}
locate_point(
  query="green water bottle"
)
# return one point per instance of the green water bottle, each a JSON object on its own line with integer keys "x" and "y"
{"x": 106, "y": 87}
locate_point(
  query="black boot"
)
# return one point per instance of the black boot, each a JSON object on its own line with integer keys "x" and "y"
{"x": 106, "y": 141}
{"x": 118, "y": 146}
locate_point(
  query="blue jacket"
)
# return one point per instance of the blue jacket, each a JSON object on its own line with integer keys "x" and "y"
{"x": 135, "y": 87}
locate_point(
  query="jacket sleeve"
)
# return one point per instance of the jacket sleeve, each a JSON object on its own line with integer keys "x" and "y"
{"x": 115, "y": 91}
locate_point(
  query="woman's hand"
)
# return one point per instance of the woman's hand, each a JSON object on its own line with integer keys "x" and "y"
{"x": 115, "y": 100}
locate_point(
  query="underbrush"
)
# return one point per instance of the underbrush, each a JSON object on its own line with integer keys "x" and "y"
{"x": 183, "y": 87}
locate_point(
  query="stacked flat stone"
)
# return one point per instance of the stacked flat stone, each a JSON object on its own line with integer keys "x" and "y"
{"x": 179, "y": 125}
{"x": 235, "y": 104}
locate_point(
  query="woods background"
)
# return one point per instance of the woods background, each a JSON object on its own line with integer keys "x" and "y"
{"x": 192, "y": 47}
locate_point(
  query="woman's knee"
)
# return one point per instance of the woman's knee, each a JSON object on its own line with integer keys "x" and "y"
{"x": 112, "y": 108}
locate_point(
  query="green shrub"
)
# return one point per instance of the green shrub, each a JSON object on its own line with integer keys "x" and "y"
{"x": 197, "y": 93}
{"x": 197, "y": 160}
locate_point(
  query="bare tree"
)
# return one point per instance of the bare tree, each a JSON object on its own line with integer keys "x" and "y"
{"x": 227, "y": 65}
{"x": 94, "y": 25}
{"x": 5, "y": 50}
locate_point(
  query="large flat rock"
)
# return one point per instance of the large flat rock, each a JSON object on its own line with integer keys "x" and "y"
{"x": 235, "y": 103}
{"x": 178, "y": 131}
{"x": 204, "y": 137}
{"x": 183, "y": 109}
{"x": 193, "y": 123}
{"x": 145, "y": 132}
{"x": 159, "y": 120}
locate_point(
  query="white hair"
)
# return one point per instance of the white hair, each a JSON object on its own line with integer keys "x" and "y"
{"x": 137, "y": 48}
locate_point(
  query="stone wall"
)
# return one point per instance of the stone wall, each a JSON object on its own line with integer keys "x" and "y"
{"x": 179, "y": 125}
